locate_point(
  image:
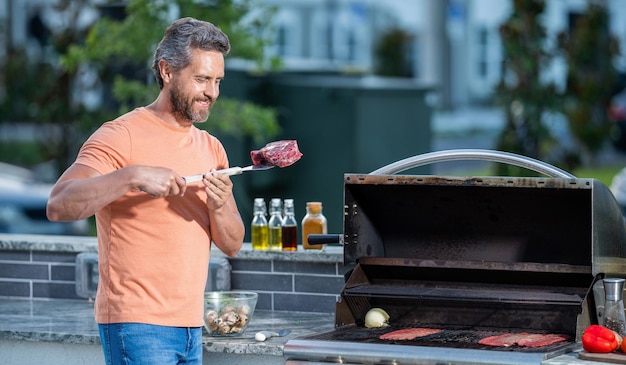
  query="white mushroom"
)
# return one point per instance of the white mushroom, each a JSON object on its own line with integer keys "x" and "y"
{"x": 243, "y": 320}
{"x": 244, "y": 309}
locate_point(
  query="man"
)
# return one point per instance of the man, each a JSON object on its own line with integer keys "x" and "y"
{"x": 154, "y": 230}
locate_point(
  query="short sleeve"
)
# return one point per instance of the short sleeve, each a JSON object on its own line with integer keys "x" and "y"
{"x": 107, "y": 150}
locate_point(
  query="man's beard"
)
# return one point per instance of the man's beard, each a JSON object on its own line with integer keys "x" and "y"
{"x": 183, "y": 106}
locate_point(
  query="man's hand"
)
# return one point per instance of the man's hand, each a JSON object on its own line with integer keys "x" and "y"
{"x": 158, "y": 182}
{"x": 219, "y": 189}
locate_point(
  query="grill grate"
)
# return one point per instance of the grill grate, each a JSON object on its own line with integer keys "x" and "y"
{"x": 452, "y": 338}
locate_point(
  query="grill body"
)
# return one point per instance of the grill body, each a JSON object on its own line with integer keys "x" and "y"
{"x": 475, "y": 257}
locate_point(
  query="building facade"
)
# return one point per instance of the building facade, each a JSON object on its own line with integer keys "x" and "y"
{"x": 454, "y": 44}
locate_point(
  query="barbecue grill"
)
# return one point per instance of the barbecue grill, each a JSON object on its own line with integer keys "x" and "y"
{"x": 471, "y": 256}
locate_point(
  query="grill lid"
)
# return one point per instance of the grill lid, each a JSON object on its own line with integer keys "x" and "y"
{"x": 511, "y": 220}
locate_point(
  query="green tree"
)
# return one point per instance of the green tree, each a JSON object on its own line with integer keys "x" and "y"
{"x": 39, "y": 92}
{"x": 392, "y": 53}
{"x": 521, "y": 91}
{"x": 118, "y": 52}
{"x": 589, "y": 50}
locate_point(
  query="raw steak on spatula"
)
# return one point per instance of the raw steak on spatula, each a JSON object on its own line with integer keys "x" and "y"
{"x": 279, "y": 153}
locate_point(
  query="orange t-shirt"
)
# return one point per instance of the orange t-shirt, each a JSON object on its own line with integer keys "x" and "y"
{"x": 153, "y": 252}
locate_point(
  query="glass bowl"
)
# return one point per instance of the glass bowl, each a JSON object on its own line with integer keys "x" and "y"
{"x": 227, "y": 313}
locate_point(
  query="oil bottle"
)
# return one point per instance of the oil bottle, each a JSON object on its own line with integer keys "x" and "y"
{"x": 289, "y": 228}
{"x": 259, "y": 226}
{"x": 275, "y": 242}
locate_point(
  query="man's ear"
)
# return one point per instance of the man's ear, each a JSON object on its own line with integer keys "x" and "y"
{"x": 166, "y": 71}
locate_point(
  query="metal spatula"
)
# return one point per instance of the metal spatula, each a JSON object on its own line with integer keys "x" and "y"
{"x": 236, "y": 170}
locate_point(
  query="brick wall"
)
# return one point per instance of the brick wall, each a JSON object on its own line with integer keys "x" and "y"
{"x": 281, "y": 284}
{"x": 37, "y": 274}
{"x": 290, "y": 285}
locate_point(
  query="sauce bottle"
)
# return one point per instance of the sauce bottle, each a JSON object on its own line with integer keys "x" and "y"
{"x": 259, "y": 226}
{"x": 313, "y": 222}
{"x": 275, "y": 242}
{"x": 289, "y": 227}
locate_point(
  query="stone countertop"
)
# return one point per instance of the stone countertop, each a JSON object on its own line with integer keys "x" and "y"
{"x": 72, "y": 321}
{"x": 26, "y": 242}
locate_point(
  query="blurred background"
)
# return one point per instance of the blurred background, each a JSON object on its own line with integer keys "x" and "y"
{"x": 358, "y": 83}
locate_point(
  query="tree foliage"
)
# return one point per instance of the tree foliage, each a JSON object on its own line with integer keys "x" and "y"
{"x": 528, "y": 98}
{"x": 393, "y": 51}
{"x": 37, "y": 91}
{"x": 589, "y": 50}
{"x": 522, "y": 92}
{"x": 131, "y": 41}
{"x": 113, "y": 57}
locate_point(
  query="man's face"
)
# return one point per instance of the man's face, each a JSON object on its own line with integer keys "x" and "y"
{"x": 195, "y": 88}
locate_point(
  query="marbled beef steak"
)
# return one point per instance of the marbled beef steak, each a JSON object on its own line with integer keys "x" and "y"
{"x": 279, "y": 153}
{"x": 522, "y": 339}
{"x": 409, "y": 333}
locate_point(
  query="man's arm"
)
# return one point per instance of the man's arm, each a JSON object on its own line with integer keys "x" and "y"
{"x": 81, "y": 191}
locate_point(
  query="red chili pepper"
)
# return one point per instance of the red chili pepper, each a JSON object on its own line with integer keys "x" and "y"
{"x": 599, "y": 339}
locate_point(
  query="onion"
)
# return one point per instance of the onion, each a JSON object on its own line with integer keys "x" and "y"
{"x": 376, "y": 318}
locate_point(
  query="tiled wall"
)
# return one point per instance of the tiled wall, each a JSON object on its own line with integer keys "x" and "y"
{"x": 33, "y": 274}
{"x": 281, "y": 285}
{"x": 290, "y": 285}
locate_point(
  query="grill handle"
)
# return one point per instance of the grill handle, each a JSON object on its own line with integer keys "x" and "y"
{"x": 473, "y": 154}
{"x": 322, "y": 239}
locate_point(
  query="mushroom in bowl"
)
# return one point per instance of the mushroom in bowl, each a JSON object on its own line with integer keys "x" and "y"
{"x": 227, "y": 313}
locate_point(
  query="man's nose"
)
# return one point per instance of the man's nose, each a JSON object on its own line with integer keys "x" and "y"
{"x": 212, "y": 90}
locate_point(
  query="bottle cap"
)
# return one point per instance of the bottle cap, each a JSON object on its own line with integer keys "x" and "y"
{"x": 276, "y": 205}
{"x": 259, "y": 204}
{"x": 613, "y": 288}
{"x": 315, "y": 207}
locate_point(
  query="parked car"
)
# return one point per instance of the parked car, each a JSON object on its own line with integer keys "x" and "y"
{"x": 23, "y": 206}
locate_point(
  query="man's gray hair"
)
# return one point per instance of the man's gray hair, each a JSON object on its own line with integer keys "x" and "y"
{"x": 183, "y": 36}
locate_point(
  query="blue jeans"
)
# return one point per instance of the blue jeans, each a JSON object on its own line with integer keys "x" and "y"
{"x": 146, "y": 344}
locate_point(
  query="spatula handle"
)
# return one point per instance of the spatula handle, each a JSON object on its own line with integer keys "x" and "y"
{"x": 231, "y": 171}
{"x": 228, "y": 172}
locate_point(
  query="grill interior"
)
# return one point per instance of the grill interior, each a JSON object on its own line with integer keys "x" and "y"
{"x": 420, "y": 293}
